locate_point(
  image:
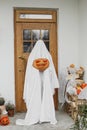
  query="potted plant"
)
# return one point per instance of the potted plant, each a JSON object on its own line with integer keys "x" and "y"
{"x": 10, "y": 109}
{"x": 2, "y": 101}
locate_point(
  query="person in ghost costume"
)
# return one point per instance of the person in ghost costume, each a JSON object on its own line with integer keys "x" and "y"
{"x": 39, "y": 88}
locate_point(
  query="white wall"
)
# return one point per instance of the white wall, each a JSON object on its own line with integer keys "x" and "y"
{"x": 83, "y": 35}
{"x": 67, "y": 37}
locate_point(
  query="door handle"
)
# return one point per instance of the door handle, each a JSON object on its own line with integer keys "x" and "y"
{"x": 20, "y": 70}
{"x": 20, "y": 57}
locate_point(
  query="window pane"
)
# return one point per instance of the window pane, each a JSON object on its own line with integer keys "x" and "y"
{"x": 27, "y": 47}
{"x": 26, "y": 34}
{"x": 34, "y": 42}
{"x": 35, "y": 34}
{"x": 47, "y": 45}
{"x": 45, "y": 34}
{"x": 35, "y": 16}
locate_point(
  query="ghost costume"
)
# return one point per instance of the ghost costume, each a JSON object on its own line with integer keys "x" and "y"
{"x": 39, "y": 89}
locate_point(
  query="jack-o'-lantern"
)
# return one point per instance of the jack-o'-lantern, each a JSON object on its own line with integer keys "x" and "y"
{"x": 4, "y": 120}
{"x": 41, "y": 64}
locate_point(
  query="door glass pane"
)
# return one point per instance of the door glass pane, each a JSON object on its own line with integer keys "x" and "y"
{"x": 45, "y": 34}
{"x": 35, "y": 34}
{"x": 35, "y": 16}
{"x": 30, "y": 37}
{"x": 47, "y": 45}
{"x": 34, "y": 42}
{"x": 27, "y": 46}
{"x": 26, "y": 34}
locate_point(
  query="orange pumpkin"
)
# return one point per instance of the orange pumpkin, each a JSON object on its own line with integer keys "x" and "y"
{"x": 72, "y": 65}
{"x": 41, "y": 64}
{"x": 78, "y": 91}
{"x": 4, "y": 120}
{"x": 83, "y": 85}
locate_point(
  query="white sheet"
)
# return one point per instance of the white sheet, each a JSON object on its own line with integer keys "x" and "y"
{"x": 39, "y": 89}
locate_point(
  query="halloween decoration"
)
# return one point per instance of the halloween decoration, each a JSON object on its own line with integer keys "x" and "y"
{"x": 75, "y": 82}
{"x": 39, "y": 87}
{"x": 4, "y": 120}
{"x": 75, "y": 86}
{"x": 41, "y": 64}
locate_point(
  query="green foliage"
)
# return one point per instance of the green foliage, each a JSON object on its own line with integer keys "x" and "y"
{"x": 81, "y": 122}
{"x": 2, "y": 101}
{"x": 10, "y": 106}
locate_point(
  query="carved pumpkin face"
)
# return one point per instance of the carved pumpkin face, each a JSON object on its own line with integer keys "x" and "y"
{"x": 41, "y": 64}
{"x": 4, "y": 120}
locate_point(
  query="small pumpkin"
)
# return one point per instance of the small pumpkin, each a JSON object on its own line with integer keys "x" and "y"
{"x": 4, "y": 120}
{"x": 78, "y": 89}
{"x": 83, "y": 85}
{"x": 72, "y": 65}
{"x": 41, "y": 64}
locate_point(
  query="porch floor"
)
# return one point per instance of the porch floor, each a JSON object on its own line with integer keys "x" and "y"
{"x": 64, "y": 123}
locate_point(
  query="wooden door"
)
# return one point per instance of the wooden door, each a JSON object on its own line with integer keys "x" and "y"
{"x": 26, "y": 35}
